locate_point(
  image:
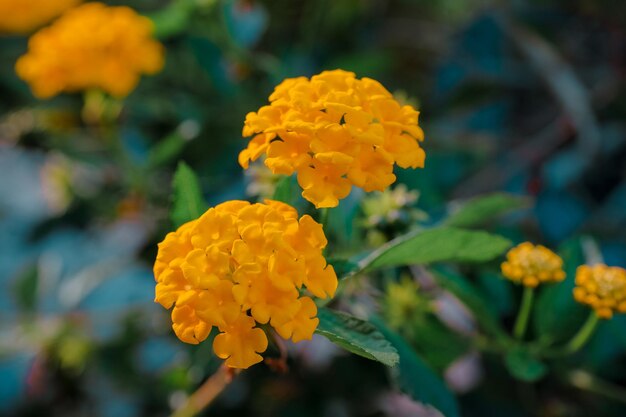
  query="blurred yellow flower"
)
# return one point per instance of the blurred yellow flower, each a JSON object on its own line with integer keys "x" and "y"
{"x": 23, "y": 16}
{"x": 601, "y": 287}
{"x": 334, "y": 131}
{"x": 240, "y": 265}
{"x": 404, "y": 303}
{"x": 532, "y": 265}
{"x": 92, "y": 46}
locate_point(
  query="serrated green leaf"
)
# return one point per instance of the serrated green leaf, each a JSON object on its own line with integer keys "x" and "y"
{"x": 356, "y": 336}
{"x": 188, "y": 203}
{"x": 415, "y": 377}
{"x": 523, "y": 366}
{"x": 438, "y": 245}
{"x": 483, "y": 209}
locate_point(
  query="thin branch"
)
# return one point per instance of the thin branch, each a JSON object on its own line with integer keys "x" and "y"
{"x": 207, "y": 392}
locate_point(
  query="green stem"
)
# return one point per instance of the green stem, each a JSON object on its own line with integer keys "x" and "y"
{"x": 583, "y": 335}
{"x": 487, "y": 345}
{"x": 207, "y": 392}
{"x": 586, "y": 381}
{"x": 324, "y": 218}
{"x": 524, "y": 313}
{"x": 102, "y": 112}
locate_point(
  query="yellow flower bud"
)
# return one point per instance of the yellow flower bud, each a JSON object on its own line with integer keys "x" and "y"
{"x": 601, "y": 287}
{"x": 532, "y": 265}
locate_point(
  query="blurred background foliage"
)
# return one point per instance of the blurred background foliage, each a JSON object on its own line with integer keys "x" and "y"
{"x": 522, "y": 96}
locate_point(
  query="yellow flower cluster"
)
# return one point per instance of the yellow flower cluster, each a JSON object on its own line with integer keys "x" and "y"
{"x": 23, "y": 16}
{"x": 241, "y": 264}
{"x": 334, "y": 131}
{"x": 601, "y": 287}
{"x": 531, "y": 265}
{"x": 91, "y": 47}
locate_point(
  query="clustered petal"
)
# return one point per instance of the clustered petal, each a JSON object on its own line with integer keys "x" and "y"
{"x": 92, "y": 46}
{"x": 334, "y": 131}
{"x": 531, "y": 265}
{"x": 23, "y": 16}
{"x": 240, "y": 265}
{"x": 601, "y": 287}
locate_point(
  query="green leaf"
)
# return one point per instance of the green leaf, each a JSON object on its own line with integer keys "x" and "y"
{"x": 556, "y": 315}
{"x": 438, "y": 245}
{"x": 441, "y": 348}
{"x": 356, "y": 336}
{"x": 483, "y": 209}
{"x": 342, "y": 267}
{"x": 166, "y": 150}
{"x": 188, "y": 202}
{"x": 415, "y": 377}
{"x": 284, "y": 190}
{"x": 523, "y": 366}
{"x": 498, "y": 291}
{"x": 173, "y": 19}
{"x": 473, "y": 299}
{"x": 26, "y": 286}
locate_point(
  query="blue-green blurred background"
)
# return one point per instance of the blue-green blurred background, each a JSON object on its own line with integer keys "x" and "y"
{"x": 523, "y": 96}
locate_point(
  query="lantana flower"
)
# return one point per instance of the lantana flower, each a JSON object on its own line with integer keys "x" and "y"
{"x": 334, "y": 131}
{"x": 532, "y": 265}
{"x": 92, "y": 46}
{"x": 24, "y": 16}
{"x": 601, "y": 287}
{"x": 242, "y": 265}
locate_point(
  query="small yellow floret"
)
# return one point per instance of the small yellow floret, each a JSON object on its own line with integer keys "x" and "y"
{"x": 24, "y": 16}
{"x": 240, "y": 265}
{"x": 603, "y": 288}
{"x": 532, "y": 265}
{"x": 334, "y": 131}
{"x": 92, "y": 46}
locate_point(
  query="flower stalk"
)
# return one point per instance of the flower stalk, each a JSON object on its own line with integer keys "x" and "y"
{"x": 207, "y": 392}
{"x": 524, "y": 313}
{"x": 324, "y": 212}
{"x": 583, "y": 335}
